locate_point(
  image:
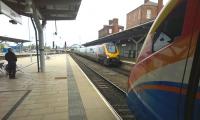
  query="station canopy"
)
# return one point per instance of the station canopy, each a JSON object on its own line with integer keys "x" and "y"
{"x": 7, "y": 39}
{"x": 48, "y": 9}
{"x": 135, "y": 33}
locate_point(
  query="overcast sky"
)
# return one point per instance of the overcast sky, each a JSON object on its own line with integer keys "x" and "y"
{"x": 92, "y": 15}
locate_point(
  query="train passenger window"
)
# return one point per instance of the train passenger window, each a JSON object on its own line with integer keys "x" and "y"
{"x": 101, "y": 50}
{"x": 91, "y": 50}
{"x": 170, "y": 28}
{"x": 161, "y": 41}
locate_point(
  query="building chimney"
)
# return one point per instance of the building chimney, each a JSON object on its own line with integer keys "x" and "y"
{"x": 145, "y": 1}
{"x": 115, "y": 21}
{"x": 115, "y": 25}
{"x": 110, "y": 22}
{"x": 160, "y": 5}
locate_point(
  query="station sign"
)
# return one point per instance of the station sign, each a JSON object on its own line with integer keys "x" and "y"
{"x": 123, "y": 45}
{"x": 10, "y": 13}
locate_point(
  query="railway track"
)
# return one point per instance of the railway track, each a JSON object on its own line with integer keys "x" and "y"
{"x": 115, "y": 77}
{"x": 126, "y": 73}
{"x": 113, "y": 94}
{"x": 113, "y": 68}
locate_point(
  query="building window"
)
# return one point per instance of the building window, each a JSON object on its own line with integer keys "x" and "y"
{"x": 148, "y": 14}
{"x": 139, "y": 14}
{"x": 110, "y": 31}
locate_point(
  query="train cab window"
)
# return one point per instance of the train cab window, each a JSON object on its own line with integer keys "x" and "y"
{"x": 170, "y": 28}
{"x": 111, "y": 48}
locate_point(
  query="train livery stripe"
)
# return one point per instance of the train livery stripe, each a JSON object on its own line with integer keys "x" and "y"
{"x": 161, "y": 74}
{"x": 168, "y": 87}
{"x": 163, "y": 58}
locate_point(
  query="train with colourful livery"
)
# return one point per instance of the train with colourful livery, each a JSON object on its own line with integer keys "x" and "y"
{"x": 106, "y": 53}
{"x": 164, "y": 83}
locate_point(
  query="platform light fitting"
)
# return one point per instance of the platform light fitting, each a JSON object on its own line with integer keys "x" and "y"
{"x": 28, "y": 7}
{"x": 28, "y": 10}
{"x": 13, "y": 21}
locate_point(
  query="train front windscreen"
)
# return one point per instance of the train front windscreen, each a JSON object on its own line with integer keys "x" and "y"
{"x": 111, "y": 48}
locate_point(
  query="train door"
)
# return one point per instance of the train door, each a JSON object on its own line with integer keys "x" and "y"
{"x": 179, "y": 35}
{"x": 171, "y": 52}
{"x": 192, "y": 101}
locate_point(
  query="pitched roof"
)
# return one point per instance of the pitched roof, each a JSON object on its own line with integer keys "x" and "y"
{"x": 150, "y": 3}
{"x": 137, "y": 32}
{"x": 15, "y": 40}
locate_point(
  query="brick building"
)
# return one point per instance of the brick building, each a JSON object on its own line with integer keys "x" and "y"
{"x": 112, "y": 28}
{"x": 146, "y": 12}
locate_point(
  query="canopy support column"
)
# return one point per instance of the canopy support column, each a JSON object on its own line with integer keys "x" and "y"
{"x": 41, "y": 38}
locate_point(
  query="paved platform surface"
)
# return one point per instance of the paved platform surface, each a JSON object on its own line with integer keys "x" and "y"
{"x": 128, "y": 62}
{"x": 61, "y": 93}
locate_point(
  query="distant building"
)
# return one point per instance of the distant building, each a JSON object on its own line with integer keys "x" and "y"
{"x": 113, "y": 27}
{"x": 146, "y": 12}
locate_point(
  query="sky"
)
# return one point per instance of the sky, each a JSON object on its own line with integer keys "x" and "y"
{"x": 92, "y": 15}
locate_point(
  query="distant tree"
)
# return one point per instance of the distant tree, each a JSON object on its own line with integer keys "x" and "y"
{"x": 1, "y": 47}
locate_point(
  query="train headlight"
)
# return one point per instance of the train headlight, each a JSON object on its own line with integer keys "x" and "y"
{"x": 107, "y": 56}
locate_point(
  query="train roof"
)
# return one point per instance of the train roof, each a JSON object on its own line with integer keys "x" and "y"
{"x": 135, "y": 33}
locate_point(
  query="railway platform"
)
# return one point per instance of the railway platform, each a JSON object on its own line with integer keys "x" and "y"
{"x": 127, "y": 64}
{"x": 128, "y": 60}
{"x": 63, "y": 92}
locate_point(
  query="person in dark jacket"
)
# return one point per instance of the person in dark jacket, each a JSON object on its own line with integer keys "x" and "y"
{"x": 12, "y": 59}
